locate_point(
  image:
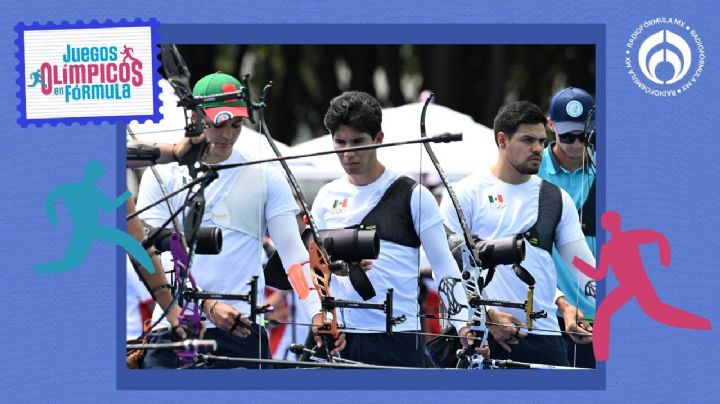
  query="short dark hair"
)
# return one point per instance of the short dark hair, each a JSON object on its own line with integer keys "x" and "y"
{"x": 512, "y": 115}
{"x": 356, "y": 109}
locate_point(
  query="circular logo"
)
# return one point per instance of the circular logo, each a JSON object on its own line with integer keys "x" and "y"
{"x": 590, "y": 289}
{"x": 574, "y": 108}
{"x": 223, "y": 116}
{"x": 664, "y": 57}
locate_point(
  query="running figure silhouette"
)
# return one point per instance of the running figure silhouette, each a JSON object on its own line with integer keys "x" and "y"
{"x": 622, "y": 253}
{"x": 128, "y": 54}
{"x": 83, "y": 200}
{"x": 37, "y": 79}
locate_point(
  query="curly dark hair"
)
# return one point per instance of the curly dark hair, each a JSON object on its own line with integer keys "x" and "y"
{"x": 512, "y": 115}
{"x": 356, "y": 109}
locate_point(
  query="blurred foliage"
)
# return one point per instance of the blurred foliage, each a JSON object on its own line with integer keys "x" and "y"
{"x": 473, "y": 79}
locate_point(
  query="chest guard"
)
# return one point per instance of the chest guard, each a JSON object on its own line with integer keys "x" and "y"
{"x": 542, "y": 233}
{"x": 241, "y": 207}
{"x": 391, "y": 218}
{"x": 587, "y": 213}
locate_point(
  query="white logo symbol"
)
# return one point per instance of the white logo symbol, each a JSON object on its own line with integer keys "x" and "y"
{"x": 649, "y": 62}
{"x": 223, "y": 116}
{"x": 664, "y": 56}
{"x": 574, "y": 108}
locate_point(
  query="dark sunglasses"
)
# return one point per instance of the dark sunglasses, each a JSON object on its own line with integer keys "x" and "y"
{"x": 569, "y": 138}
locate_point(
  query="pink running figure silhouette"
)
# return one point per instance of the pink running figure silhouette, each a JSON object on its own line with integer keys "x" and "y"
{"x": 128, "y": 54}
{"x": 622, "y": 253}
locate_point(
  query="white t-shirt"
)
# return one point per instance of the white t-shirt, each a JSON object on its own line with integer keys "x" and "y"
{"x": 240, "y": 202}
{"x": 341, "y": 204}
{"x": 495, "y": 209}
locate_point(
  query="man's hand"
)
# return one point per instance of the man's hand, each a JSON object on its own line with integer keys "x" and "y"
{"x": 180, "y": 330}
{"x": 366, "y": 265}
{"x": 343, "y": 268}
{"x": 182, "y": 148}
{"x": 228, "y": 319}
{"x": 577, "y": 328}
{"x": 339, "y": 341}
{"x": 468, "y": 338}
{"x": 506, "y": 329}
{"x": 282, "y": 310}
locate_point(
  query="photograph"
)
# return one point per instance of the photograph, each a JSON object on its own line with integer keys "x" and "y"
{"x": 283, "y": 250}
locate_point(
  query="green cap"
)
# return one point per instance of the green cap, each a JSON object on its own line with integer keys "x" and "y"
{"x": 221, "y": 111}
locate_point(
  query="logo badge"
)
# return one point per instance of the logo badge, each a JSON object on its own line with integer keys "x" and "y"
{"x": 574, "y": 108}
{"x": 91, "y": 72}
{"x": 664, "y": 57}
{"x": 496, "y": 201}
{"x": 223, "y": 116}
{"x": 339, "y": 206}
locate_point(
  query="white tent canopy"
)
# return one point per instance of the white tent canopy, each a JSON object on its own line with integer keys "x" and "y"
{"x": 458, "y": 159}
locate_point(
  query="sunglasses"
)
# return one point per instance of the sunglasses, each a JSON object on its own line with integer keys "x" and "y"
{"x": 569, "y": 138}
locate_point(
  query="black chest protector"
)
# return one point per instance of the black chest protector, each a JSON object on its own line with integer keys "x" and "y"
{"x": 587, "y": 213}
{"x": 391, "y": 218}
{"x": 542, "y": 233}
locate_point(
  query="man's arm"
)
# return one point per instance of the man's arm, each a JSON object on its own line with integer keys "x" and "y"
{"x": 169, "y": 152}
{"x": 283, "y": 230}
{"x": 578, "y": 257}
{"x": 280, "y": 211}
{"x": 443, "y": 266}
{"x": 157, "y": 283}
{"x": 148, "y": 193}
{"x": 588, "y": 269}
{"x": 579, "y": 250}
{"x": 579, "y": 330}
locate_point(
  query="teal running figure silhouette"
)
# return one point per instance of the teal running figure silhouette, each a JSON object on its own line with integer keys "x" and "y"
{"x": 37, "y": 79}
{"x": 84, "y": 200}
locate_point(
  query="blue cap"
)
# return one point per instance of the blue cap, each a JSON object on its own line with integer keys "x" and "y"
{"x": 569, "y": 109}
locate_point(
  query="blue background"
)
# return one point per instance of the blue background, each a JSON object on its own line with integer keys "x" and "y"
{"x": 60, "y": 332}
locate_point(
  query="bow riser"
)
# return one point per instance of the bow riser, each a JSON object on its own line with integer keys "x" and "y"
{"x": 319, "y": 262}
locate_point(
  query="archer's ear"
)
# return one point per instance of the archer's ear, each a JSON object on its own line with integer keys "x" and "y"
{"x": 379, "y": 137}
{"x": 502, "y": 139}
{"x": 551, "y": 125}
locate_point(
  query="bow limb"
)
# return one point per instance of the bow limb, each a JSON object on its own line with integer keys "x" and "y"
{"x": 178, "y": 74}
{"x": 473, "y": 275}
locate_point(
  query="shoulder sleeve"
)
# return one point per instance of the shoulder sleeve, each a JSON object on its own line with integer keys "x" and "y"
{"x": 448, "y": 212}
{"x": 280, "y": 200}
{"x": 568, "y": 230}
{"x": 424, "y": 209}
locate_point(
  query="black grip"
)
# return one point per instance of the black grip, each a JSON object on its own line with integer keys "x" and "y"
{"x": 447, "y": 137}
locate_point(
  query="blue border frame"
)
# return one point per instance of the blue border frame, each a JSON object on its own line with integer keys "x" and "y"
{"x": 428, "y": 379}
{"x": 20, "y": 29}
